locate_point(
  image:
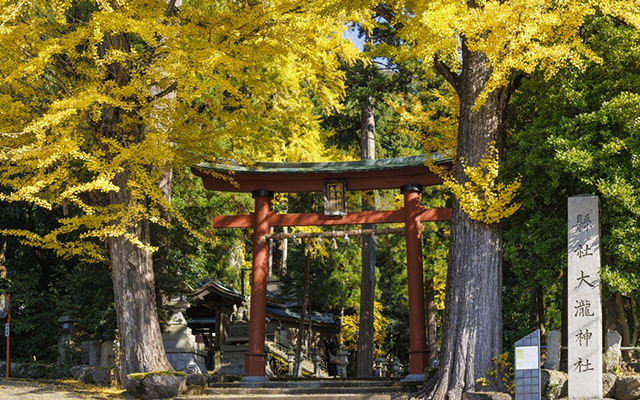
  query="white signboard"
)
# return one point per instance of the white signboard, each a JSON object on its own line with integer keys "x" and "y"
{"x": 527, "y": 357}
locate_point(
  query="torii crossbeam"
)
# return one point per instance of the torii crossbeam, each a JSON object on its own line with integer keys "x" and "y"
{"x": 263, "y": 179}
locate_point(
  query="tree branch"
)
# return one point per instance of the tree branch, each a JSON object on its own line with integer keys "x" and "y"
{"x": 59, "y": 82}
{"x": 171, "y": 6}
{"x": 168, "y": 90}
{"x": 446, "y": 73}
{"x": 389, "y": 16}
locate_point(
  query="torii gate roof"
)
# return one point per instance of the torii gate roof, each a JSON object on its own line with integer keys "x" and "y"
{"x": 387, "y": 173}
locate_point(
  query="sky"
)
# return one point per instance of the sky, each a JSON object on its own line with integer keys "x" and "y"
{"x": 352, "y": 34}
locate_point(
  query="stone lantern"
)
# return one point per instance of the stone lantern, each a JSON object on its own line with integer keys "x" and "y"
{"x": 183, "y": 351}
{"x": 66, "y": 342}
{"x": 343, "y": 354}
{"x": 291, "y": 359}
{"x": 395, "y": 368}
{"x": 315, "y": 357}
{"x": 377, "y": 363}
{"x": 67, "y": 324}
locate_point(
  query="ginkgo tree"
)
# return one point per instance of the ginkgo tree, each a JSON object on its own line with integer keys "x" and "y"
{"x": 481, "y": 47}
{"x": 102, "y": 98}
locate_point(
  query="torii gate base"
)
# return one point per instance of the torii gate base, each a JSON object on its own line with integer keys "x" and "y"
{"x": 278, "y": 177}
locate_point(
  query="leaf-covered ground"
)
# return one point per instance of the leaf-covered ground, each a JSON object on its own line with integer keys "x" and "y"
{"x": 19, "y": 389}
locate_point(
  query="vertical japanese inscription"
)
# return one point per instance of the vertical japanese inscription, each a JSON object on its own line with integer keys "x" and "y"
{"x": 585, "y": 316}
{"x": 334, "y": 198}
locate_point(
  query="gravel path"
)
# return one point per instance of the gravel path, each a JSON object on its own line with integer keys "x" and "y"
{"x": 17, "y": 389}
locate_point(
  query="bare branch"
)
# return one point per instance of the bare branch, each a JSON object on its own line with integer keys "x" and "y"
{"x": 59, "y": 82}
{"x": 168, "y": 90}
{"x": 14, "y": 11}
{"x": 446, "y": 73}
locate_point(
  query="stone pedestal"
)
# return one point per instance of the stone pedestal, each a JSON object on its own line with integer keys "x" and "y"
{"x": 91, "y": 350}
{"x": 183, "y": 352}
{"x": 107, "y": 354}
{"x": 235, "y": 349}
{"x": 612, "y": 353}
{"x": 232, "y": 362}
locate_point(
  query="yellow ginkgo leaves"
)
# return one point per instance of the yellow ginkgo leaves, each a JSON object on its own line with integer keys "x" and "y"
{"x": 483, "y": 197}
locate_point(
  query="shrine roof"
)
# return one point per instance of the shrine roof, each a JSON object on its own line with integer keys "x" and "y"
{"x": 212, "y": 288}
{"x": 309, "y": 177}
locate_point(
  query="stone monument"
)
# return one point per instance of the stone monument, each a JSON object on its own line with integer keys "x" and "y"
{"x": 585, "y": 315}
{"x": 183, "y": 352}
{"x": 552, "y": 361}
{"x": 236, "y": 345}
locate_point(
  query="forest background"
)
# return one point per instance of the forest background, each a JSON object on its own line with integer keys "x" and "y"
{"x": 576, "y": 132}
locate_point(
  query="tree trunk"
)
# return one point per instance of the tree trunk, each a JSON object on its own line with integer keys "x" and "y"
{"x": 540, "y": 310}
{"x": 369, "y": 254}
{"x": 305, "y": 295}
{"x": 634, "y": 316}
{"x": 134, "y": 292}
{"x": 623, "y": 323}
{"x": 472, "y": 331}
{"x": 432, "y": 327}
{"x": 3, "y": 259}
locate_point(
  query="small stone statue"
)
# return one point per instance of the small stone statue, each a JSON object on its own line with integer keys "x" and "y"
{"x": 241, "y": 314}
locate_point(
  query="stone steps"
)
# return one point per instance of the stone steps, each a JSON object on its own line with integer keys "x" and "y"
{"x": 334, "y": 389}
{"x": 320, "y": 396}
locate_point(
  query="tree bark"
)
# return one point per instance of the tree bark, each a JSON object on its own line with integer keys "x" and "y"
{"x": 3, "y": 259}
{"x": 472, "y": 331}
{"x": 305, "y": 295}
{"x": 134, "y": 291}
{"x": 623, "y": 323}
{"x": 540, "y": 311}
{"x": 432, "y": 327}
{"x": 369, "y": 254}
{"x": 634, "y": 316}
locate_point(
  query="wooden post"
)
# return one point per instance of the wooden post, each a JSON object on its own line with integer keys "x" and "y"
{"x": 255, "y": 361}
{"x": 418, "y": 353}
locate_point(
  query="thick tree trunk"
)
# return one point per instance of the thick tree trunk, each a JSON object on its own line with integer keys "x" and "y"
{"x": 134, "y": 291}
{"x": 623, "y": 323}
{"x": 472, "y": 331}
{"x": 369, "y": 254}
{"x": 141, "y": 344}
{"x": 432, "y": 327}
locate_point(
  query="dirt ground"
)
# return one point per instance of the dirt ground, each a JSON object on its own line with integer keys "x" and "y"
{"x": 19, "y": 389}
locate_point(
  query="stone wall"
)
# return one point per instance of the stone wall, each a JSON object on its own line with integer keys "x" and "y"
{"x": 623, "y": 387}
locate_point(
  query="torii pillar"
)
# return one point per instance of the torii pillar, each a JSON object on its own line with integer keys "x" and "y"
{"x": 256, "y": 358}
{"x": 418, "y": 353}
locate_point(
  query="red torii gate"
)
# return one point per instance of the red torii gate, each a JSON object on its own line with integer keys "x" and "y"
{"x": 408, "y": 174}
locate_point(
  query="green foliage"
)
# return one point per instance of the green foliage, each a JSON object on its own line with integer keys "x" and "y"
{"x": 577, "y": 133}
{"x": 44, "y": 287}
{"x": 183, "y": 260}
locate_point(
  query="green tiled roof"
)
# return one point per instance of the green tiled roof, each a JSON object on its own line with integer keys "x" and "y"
{"x": 325, "y": 167}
